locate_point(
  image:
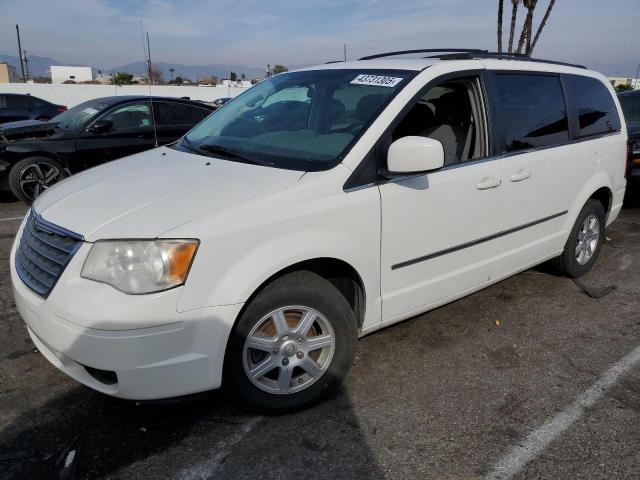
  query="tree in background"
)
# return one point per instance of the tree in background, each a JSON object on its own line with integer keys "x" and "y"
{"x": 121, "y": 78}
{"x": 527, "y": 40}
{"x": 171, "y": 70}
{"x": 156, "y": 76}
{"x": 514, "y": 17}
{"x": 525, "y": 34}
{"x": 542, "y": 24}
{"x": 276, "y": 69}
{"x": 177, "y": 81}
{"x": 623, "y": 87}
{"x": 243, "y": 77}
{"x": 233, "y": 77}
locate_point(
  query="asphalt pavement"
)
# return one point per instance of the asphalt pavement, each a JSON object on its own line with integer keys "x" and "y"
{"x": 535, "y": 377}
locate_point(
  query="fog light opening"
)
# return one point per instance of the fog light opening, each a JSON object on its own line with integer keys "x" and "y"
{"x": 106, "y": 377}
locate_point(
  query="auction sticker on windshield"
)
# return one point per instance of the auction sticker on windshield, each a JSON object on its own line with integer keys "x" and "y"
{"x": 376, "y": 80}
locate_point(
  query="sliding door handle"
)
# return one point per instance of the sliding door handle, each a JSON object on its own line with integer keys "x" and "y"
{"x": 520, "y": 175}
{"x": 489, "y": 182}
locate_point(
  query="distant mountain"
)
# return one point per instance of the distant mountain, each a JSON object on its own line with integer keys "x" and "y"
{"x": 38, "y": 66}
{"x": 191, "y": 72}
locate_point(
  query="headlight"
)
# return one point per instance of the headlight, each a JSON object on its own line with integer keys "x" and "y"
{"x": 140, "y": 266}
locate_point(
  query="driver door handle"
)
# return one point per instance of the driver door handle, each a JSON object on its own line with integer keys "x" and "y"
{"x": 489, "y": 182}
{"x": 520, "y": 175}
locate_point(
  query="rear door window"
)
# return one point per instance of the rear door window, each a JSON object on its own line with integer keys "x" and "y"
{"x": 531, "y": 110}
{"x": 15, "y": 101}
{"x": 170, "y": 113}
{"x": 593, "y": 105}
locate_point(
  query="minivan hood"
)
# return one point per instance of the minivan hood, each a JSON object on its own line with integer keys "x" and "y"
{"x": 147, "y": 194}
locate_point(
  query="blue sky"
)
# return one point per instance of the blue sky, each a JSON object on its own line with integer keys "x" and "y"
{"x": 106, "y": 33}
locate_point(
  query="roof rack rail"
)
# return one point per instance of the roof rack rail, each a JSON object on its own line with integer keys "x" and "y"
{"x": 423, "y": 50}
{"x": 470, "y": 53}
{"x": 501, "y": 56}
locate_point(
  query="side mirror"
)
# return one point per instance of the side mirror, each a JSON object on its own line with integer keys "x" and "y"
{"x": 414, "y": 155}
{"x": 101, "y": 126}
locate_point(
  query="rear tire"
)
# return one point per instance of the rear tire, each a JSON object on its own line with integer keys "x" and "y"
{"x": 31, "y": 176}
{"x": 585, "y": 240}
{"x": 292, "y": 346}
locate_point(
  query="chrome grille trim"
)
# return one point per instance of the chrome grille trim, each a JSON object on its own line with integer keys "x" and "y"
{"x": 43, "y": 252}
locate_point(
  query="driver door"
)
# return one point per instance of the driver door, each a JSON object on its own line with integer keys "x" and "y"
{"x": 131, "y": 132}
{"x": 438, "y": 227}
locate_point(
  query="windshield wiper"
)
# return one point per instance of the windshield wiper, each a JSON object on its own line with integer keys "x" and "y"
{"x": 189, "y": 145}
{"x": 230, "y": 154}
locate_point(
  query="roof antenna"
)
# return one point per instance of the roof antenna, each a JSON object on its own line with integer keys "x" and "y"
{"x": 146, "y": 49}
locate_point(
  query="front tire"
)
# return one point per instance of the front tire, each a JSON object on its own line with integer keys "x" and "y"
{"x": 31, "y": 176}
{"x": 584, "y": 242}
{"x": 293, "y": 345}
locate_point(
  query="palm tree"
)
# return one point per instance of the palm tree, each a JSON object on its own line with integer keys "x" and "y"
{"x": 500, "y": 10}
{"x": 530, "y": 5}
{"x": 542, "y": 24}
{"x": 514, "y": 17}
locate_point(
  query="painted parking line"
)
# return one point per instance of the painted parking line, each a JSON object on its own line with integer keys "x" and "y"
{"x": 11, "y": 219}
{"x": 533, "y": 445}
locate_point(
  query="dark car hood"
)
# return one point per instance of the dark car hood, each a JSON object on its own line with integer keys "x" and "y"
{"x": 27, "y": 129}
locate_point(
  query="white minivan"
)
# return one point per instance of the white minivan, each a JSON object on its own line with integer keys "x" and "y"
{"x": 316, "y": 207}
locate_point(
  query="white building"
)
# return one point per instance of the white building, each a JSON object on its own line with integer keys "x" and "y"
{"x": 237, "y": 83}
{"x": 616, "y": 81}
{"x": 60, "y": 74}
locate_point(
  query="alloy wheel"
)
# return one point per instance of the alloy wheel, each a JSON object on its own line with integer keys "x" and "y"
{"x": 588, "y": 238}
{"x": 37, "y": 177}
{"x": 288, "y": 350}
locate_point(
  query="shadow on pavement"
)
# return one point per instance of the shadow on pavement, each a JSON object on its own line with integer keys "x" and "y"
{"x": 199, "y": 437}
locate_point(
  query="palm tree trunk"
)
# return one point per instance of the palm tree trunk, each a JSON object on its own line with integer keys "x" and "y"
{"x": 542, "y": 24}
{"x": 526, "y": 28}
{"x": 514, "y": 16}
{"x": 500, "y": 11}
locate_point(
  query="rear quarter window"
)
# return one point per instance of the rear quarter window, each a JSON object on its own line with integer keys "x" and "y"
{"x": 593, "y": 105}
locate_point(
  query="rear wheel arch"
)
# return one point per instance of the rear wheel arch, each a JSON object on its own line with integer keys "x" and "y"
{"x": 605, "y": 196}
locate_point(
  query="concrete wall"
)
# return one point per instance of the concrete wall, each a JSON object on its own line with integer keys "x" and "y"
{"x": 71, "y": 95}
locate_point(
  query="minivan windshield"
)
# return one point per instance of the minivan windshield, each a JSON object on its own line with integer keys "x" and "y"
{"x": 300, "y": 120}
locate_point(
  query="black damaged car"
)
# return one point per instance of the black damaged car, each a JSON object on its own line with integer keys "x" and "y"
{"x": 35, "y": 155}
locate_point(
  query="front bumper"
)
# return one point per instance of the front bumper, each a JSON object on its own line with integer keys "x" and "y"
{"x": 87, "y": 324}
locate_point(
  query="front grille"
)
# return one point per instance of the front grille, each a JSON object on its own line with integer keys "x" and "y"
{"x": 43, "y": 253}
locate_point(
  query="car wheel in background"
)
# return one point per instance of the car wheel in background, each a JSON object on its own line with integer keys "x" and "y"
{"x": 584, "y": 242}
{"x": 31, "y": 176}
{"x": 293, "y": 345}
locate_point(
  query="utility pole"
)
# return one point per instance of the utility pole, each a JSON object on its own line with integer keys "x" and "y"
{"x": 20, "y": 53}
{"x": 26, "y": 64}
{"x": 148, "y": 59}
{"x": 345, "y": 51}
